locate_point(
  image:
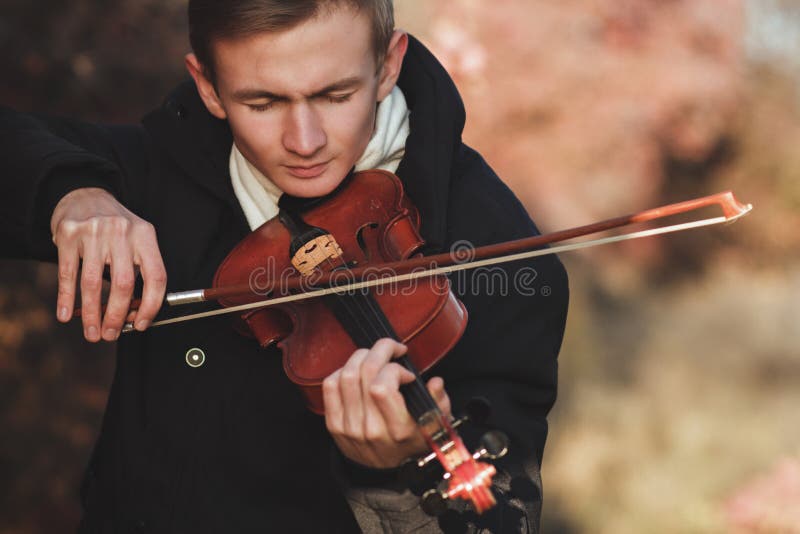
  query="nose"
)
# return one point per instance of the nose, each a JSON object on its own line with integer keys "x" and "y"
{"x": 303, "y": 133}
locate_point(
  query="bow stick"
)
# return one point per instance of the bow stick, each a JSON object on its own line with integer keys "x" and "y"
{"x": 459, "y": 260}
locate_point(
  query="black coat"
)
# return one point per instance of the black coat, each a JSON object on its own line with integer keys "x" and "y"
{"x": 229, "y": 446}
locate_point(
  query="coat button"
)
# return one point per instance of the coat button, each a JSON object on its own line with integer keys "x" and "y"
{"x": 195, "y": 357}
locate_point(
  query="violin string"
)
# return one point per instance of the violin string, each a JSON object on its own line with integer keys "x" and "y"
{"x": 422, "y": 398}
{"x": 366, "y": 325}
{"x": 342, "y": 299}
{"x": 364, "y": 311}
{"x": 373, "y": 320}
{"x": 361, "y": 325}
{"x": 417, "y": 395}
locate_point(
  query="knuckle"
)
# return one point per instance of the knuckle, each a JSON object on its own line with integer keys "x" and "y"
{"x": 124, "y": 281}
{"x": 349, "y": 376}
{"x": 358, "y": 354}
{"x": 159, "y": 277}
{"x": 371, "y": 368}
{"x": 373, "y": 434}
{"x": 65, "y": 273}
{"x": 401, "y": 433}
{"x": 66, "y": 228}
{"x": 379, "y": 392}
{"x": 145, "y": 233}
{"x": 357, "y": 436}
{"x": 144, "y": 227}
{"x": 94, "y": 226}
{"x": 91, "y": 281}
{"x": 330, "y": 385}
{"x": 65, "y": 293}
{"x": 396, "y": 368}
{"x": 385, "y": 342}
{"x": 347, "y": 431}
{"x": 119, "y": 225}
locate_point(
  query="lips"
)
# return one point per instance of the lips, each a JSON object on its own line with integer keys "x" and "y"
{"x": 306, "y": 171}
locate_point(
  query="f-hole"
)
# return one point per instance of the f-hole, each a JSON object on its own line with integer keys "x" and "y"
{"x": 362, "y": 244}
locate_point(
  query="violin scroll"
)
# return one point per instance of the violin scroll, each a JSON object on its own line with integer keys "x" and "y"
{"x": 465, "y": 477}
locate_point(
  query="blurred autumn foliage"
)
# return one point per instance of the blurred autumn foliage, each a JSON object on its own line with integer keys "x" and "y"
{"x": 679, "y": 373}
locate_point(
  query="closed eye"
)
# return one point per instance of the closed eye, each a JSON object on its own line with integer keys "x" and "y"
{"x": 338, "y": 98}
{"x": 333, "y": 98}
{"x": 265, "y": 105}
{"x": 261, "y": 107}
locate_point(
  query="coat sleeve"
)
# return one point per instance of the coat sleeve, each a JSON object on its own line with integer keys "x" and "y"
{"x": 44, "y": 158}
{"x": 508, "y": 356}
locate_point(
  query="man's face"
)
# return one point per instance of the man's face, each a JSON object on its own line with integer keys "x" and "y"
{"x": 301, "y": 103}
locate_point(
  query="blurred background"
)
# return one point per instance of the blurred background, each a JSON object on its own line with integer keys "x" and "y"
{"x": 679, "y": 400}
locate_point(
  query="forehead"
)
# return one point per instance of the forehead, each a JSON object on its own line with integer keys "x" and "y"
{"x": 333, "y": 45}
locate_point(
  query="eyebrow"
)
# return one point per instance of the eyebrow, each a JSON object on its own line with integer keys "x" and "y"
{"x": 253, "y": 94}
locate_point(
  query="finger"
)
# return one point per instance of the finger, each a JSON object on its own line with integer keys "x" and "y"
{"x": 68, "y": 262}
{"x": 374, "y": 426}
{"x": 385, "y": 393}
{"x": 154, "y": 275}
{"x": 350, "y": 391}
{"x": 91, "y": 286}
{"x": 332, "y": 402}
{"x": 334, "y": 422}
{"x": 389, "y": 348}
{"x": 381, "y": 353}
{"x": 437, "y": 391}
{"x": 122, "y": 282}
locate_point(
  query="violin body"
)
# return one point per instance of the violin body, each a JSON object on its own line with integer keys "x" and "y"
{"x": 372, "y": 222}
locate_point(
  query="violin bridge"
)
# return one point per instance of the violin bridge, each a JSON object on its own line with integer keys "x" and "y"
{"x": 316, "y": 252}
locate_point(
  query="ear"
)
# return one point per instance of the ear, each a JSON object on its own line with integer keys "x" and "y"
{"x": 204, "y": 86}
{"x": 392, "y": 63}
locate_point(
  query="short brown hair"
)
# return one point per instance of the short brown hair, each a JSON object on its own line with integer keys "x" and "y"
{"x": 211, "y": 20}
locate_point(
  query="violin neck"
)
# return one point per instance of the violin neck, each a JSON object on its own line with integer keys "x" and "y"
{"x": 418, "y": 399}
{"x": 365, "y": 322}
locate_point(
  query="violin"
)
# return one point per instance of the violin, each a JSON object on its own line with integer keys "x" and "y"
{"x": 366, "y": 221}
{"x": 330, "y": 275}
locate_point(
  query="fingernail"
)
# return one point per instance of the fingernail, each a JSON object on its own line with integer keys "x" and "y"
{"x": 111, "y": 333}
{"x": 91, "y": 333}
{"x": 142, "y": 325}
{"x": 62, "y": 313}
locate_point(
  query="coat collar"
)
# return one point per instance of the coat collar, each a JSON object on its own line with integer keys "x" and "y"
{"x": 437, "y": 121}
{"x": 200, "y": 144}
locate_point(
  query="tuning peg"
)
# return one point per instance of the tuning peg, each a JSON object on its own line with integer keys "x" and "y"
{"x": 494, "y": 445}
{"x": 478, "y": 410}
{"x": 434, "y": 502}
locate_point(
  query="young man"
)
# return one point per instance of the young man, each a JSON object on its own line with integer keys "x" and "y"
{"x": 203, "y": 432}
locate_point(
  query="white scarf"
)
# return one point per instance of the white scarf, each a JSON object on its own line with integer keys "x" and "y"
{"x": 258, "y": 196}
